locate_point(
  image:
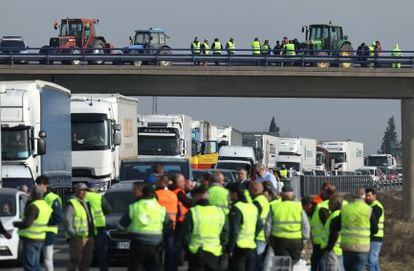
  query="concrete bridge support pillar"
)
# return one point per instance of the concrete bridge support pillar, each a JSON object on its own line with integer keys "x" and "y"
{"x": 407, "y": 122}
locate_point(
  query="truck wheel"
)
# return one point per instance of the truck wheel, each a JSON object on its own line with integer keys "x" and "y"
{"x": 136, "y": 63}
{"x": 98, "y": 49}
{"x": 74, "y": 51}
{"x": 165, "y": 52}
{"x": 346, "y": 51}
{"x": 322, "y": 64}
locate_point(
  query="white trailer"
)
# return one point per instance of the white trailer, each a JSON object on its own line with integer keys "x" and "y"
{"x": 228, "y": 135}
{"x": 344, "y": 155}
{"x": 164, "y": 136}
{"x": 104, "y": 132}
{"x": 266, "y": 147}
{"x": 298, "y": 154}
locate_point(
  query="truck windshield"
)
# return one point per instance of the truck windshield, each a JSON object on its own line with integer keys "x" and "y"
{"x": 90, "y": 134}
{"x": 320, "y": 159}
{"x": 374, "y": 161}
{"x": 142, "y": 38}
{"x": 15, "y": 143}
{"x": 339, "y": 157}
{"x": 70, "y": 29}
{"x": 158, "y": 141}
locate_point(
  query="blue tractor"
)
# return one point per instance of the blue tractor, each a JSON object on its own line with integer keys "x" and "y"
{"x": 149, "y": 42}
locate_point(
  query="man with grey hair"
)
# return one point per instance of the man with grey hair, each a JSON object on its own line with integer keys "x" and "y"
{"x": 32, "y": 230}
{"x": 264, "y": 175}
{"x": 219, "y": 196}
{"x": 358, "y": 223}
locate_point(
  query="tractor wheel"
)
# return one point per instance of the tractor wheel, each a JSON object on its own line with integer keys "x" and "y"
{"x": 98, "y": 49}
{"x": 135, "y": 63}
{"x": 165, "y": 52}
{"x": 74, "y": 51}
{"x": 322, "y": 64}
{"x": 346, "y": 51}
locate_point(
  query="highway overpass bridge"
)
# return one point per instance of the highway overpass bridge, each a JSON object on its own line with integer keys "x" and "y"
{"x": 223, "y": 81}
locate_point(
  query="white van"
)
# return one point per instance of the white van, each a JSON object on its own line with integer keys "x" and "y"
{"x": 236, "y": 157}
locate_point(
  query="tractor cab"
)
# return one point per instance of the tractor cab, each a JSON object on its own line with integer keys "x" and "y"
{"x": 153, "y": 38}
{"x": 325, "y": 36}
{"x": 74, "y": 33}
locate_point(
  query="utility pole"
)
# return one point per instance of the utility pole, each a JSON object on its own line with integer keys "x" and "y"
{"x": 154, "y": 105}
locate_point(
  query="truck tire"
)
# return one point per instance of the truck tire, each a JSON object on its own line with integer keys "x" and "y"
{"x": 346, "y": 51}
{"x": 165, "y": 52}
{"x": 135, "y": 63}
{"x": 98, "y": 49}
{"x": 73, "y": 51}
{"x": 322, "y": 64}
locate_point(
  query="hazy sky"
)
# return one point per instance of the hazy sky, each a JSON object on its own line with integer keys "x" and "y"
{"x": 362, "y": 120}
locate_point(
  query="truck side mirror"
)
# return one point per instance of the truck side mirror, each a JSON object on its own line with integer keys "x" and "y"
{"x": 41, "y": 146}
{"x": 117, "y": 138}
{"x": 42, "y": 134}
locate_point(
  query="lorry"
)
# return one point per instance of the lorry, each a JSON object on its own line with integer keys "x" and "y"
{"x": 76, "y": 34}
{"x": 384, "y": 161}
{"x": 164, "y": 136}
{"x": 266, "y": 147}
{"x": 205, "y": 145}
{"x": 236, "y": 157}
{"x": 228, "y": 135}
{"x": 297, "y": 154}
{"x": 344, "y": 155}
{"x": 104, "y": 132}
{"x": 33, "y": 114}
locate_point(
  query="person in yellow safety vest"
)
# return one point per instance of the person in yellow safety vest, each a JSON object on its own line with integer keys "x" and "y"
{"x": 290, "y": 226}
{"x": 231, "y": 47}
{"x": 99, "y": 208}
{"x": 372, "y": 54}
{"x": 216, "y": 47}
{"x": 330, "y": 242}
{"x": 55, "y": 202}
{"x": 205, "y": 50}
{"x": 376, "y": 239}
{"x": 265, "y": 48}
{"x": 255, "y": 46}
{"x": 196, "y": 49}
{"x": 358, "y": 223}
{"x": 219, "y": 195}
{"x": 145, "y": 221}
{"x": 245, "y": 226}
{"x": 263, "y": 207}
{"x": 283, "y": 172}
{"x": 317, "y": 214}
{"x": 33, "y": 228}
{"x": 204, "y": 233}
{"x": 80, "y": 230}
{"x": 396, "y": 52}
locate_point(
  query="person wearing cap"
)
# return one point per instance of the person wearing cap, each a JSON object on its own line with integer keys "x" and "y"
{"x": 33, "y": 228}
{"x": 99, "y": 208}
{"x": 55, "y": 202}
{"x": 263, "y": 207}
{"x": 204, "y": 233}
{"x": 145, "y": 221}
{"x": 80, "y": 230}
{"x": 245, "y": 226}
{"x": 289, "y": 226}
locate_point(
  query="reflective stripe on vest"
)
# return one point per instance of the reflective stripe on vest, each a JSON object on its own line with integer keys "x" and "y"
{"x": 219, "y": 196}
{"x": 147, "y": 217}
{"x": 380, "y": 232}
{"x": 265, "y": 206}
{"x": 169, "y": 200}
{"x": 217, "y": 47}
{"x": 255, "y": 47}
{"x": 287, "y": 219}
{"x": 208, "y": 222}
{"x": 38, "y": 229}
{"x": 316, "y": 223}
{"x": 326, "y": 232}
{"x": 95, "y": 201}
{"x": 231, "y": 48}
{"x": 50, "y": 198}
{"x": 80, "y": 218}
{"x": 355, "y": 226}
{"x": 182, "y": 210}
{"x": 246, "y": 238}
{"x": 265, "y": 49}
{"x": 196, "y": 47}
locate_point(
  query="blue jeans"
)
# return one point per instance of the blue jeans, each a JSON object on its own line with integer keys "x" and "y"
{"x": 373, "y": 256}
{"x": 101, "y": 246}
{"x": 31, "y": 255}
{"x": 259, "y": 256}
{"x": 355, "y": 261}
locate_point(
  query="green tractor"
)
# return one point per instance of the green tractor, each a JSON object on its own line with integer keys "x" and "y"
{"x": 327, "y": 37}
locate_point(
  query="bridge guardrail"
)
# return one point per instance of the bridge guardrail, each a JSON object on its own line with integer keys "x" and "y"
{"x": 241, "y": 57}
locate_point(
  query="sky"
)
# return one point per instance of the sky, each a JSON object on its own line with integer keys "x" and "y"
{"x": 324, "y": 119}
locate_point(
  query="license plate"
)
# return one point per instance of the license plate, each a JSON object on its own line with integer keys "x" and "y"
{"x": 122, "y": 245}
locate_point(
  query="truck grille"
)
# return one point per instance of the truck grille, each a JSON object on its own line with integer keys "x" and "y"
{"x": 83, "y": 172}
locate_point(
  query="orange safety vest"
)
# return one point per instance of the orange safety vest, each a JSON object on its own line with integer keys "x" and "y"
{"x": 169, "y": 200}
{"x": 181, "y": 208}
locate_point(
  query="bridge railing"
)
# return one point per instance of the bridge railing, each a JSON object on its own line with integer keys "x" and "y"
{"x": 240, "y": 57}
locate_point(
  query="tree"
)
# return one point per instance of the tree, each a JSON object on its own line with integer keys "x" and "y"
{"x": 390, "y": 144}
{"x": 273, "y": 128}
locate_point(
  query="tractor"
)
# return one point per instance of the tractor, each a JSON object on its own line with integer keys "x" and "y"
{"x": 320, "y": 37}
{"x": 148, "y": 42}
{"x": 75, "y": 34}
